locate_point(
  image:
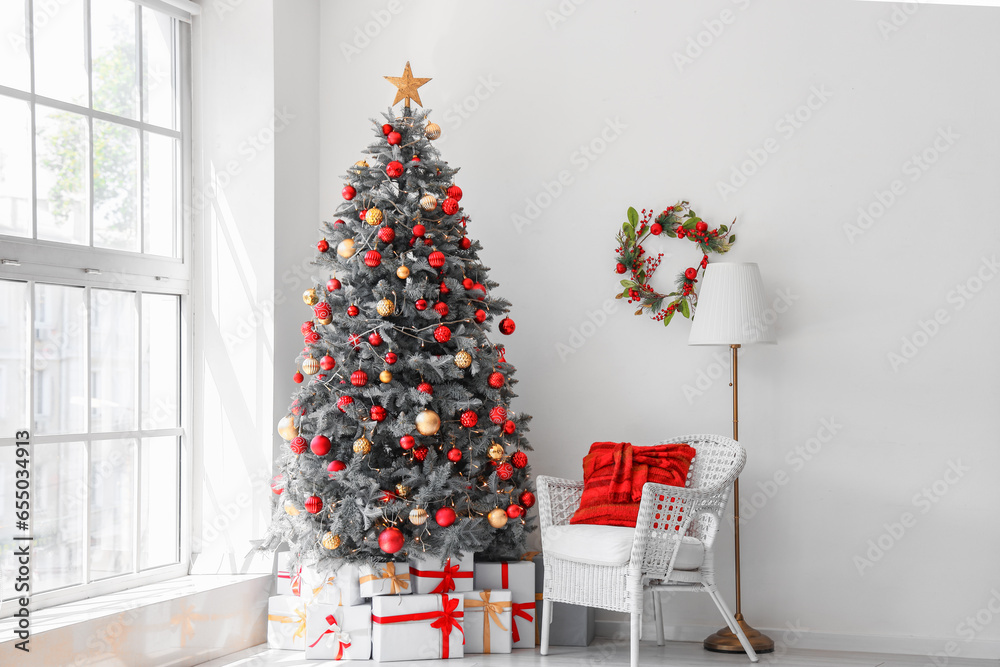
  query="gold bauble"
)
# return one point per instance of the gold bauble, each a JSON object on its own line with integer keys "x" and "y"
{"x": 497, "y": 518}
{"x": 291, "y": 510}
{"x": 402, "y": 490}
{"x": 432, "y": 131}
{"x": 496, "y": 451}
{"x": 373, "y": 216}
{"x": 385, "y": 307}
{"x": 346, "y": 248}
{"x": 362, "y": 445}
{"x": 403, "y": 272}
{"x": 385, "y": 377}
{"x": 418, "y": 516}
{"x": 428, "y": 202}
{"x": 463, "y": 359}
{"x": 310, "y": 366}
{"x": 287, "y": 428}
{"x": 326, "y": 320}
{"x": 428, "y": 422}
{"x": 360, "y": 163}
{"x": 331, "y": 541}
{"x": 309, "y": 296}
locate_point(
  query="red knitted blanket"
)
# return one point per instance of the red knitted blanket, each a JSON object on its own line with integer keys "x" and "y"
{"x": 613, "y": 475}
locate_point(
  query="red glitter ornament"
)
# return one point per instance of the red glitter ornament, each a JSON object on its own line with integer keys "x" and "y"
{"x": 425, "y": 388}
{"x": 496, "y": 380}
{"x": 386, "y": 234}
{"x": 507, "y": 326}
{"x": 519, "y": 459}
{"x": 454, "y": 192}
{"x": 322, "y": 246}
{"x": 394, "y": 169}
{"x": 420, "y": 453}
{"x": 343, "y": 402}
{"x": 469, "y": 418}
{"x": 378, "y": 413}
{"x": 442, "y": 334}
{"x": 297, "y": 378}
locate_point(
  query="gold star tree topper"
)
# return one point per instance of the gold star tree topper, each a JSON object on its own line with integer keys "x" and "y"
{"x": 406, "y": 86}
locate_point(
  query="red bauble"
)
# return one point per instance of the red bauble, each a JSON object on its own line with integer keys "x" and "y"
{"x": 388, "y": 496}
{"x": 391, "y": 358}
{"x": 362, "y": 213}
{"x": 469, "y": 418}
{"x": 297, "y": 378}
{"x": 298, "y": 444}
{"x": 336, "y": 466}
{"x": 386, "y": 235}
{"x": 436, "y": 259}
{"x": 311, "y": 337}
{"x": 425, "y": 388}
{"x": 327, "y": 362}
{"x": 278, "y": 484}
{"x": 481, "y": 289}
{"x": 519, "y": 459}
{"x": 527, "y": 499}
{"x": 496, "y": 380}
{"x": 394, "y": 169}
{"x": 352, "y": 311}
{"x": 297, "y": 409}
{"x": 307, "y": 326}
{"x": 514, "y": 511}
{"x": 442, "y": 308}
{"x": 321, "y": 310}
{"x": 468, "y": 283}
{"x": 419, "y": 230}
{"x": 480, "y": 316}
{"x": 454, "y": 455}
{"x": 322, "y": 246}
{"x": 320, "y": 445}
{"x": 386, "y": 129}
{"x": 420, "y": 453}
{"x": 354, "y": 340}
{"x": 415, "y": 158}
{"x": 373, "y": 258}
{"x": 620, "y": 268}
{"x": 498, "y": 415}
{"x": 465, "y": 243}
{"x": 343, "y": 402}
{"x": 449, "y": 206}
{"x": 394, "y": 138}
{"x": 420, "y": 304}
{"x": 391, "y": 540}
{"x": 656, "y": 229}
{"x": 454, "y": 192}
{"x": 505, "y": 471}
{"x": 338, "y": 222}
{"x": 445, "y": 517}
{"x": 348, "y": 192}
{"x": 442, "y": 334}
{"x": 378, "y": 413}
{"x": 332, "y": 285}
{"x": 443, "y": 287}
{"x": 508, "y": 427}
{"x": 314, "y": 504}
{"x": 359, "y": 378}
{"x": 507, "y": 326}
{"x": 374, "y": 339}
{"x": 407, "y": 442}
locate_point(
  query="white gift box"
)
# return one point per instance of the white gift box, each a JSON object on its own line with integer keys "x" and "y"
{"x": 518, "y": 577}
{"x": 286, "y": 622}
{"x": 487, "y": 621}
{"x": 288, "y": 583}
{"x": 326, "y": 585}
{"x": 392, "y": 578}
{"x": 403, "y": 627}
{"x": 335, "y": 632}
{"x": 431, "y": 575}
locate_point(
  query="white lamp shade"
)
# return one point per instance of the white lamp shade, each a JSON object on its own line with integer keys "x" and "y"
{"x": 731, "y": 308}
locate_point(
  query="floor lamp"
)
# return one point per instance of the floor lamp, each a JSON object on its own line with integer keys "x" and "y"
{"x": 731, "y": 311}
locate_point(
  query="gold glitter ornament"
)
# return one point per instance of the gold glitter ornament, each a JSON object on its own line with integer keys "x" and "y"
{"x": 362, "y": 445}
{"x": 331, "y": 541}
{"x": 373, "y": 216}
{"x": 463, "y": 359}
{"x": 402, "y": 490}
{"x": 432, "y": 131}
{"x": 310, "y": 298}
{"x": 385, "y": 307}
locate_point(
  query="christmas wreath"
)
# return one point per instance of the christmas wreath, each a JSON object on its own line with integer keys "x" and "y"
{"x": 677, "y": 221}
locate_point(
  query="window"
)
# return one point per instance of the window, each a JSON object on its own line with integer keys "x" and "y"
{"x": 94, "y": 282}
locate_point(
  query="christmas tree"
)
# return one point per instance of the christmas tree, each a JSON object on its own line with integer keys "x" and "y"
{"x": 400, "y": 440}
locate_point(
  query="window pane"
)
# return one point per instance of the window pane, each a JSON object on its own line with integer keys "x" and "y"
{"x": 160, "y": 195}
{"x": 112, "y": 360}
{"x": 15, "y": 167}
{"x": 58, "y": 500}
{"x": 60, "y": 56}
{"x": 112, "y": 45}
{"x": 13, "y": 359}
{"x": 159, "y": 503}
{"x": 59, "y": 359}
{"x": 161, "y": 361}
{"x": 116, "y": 180}
{"x": 158, "y": 68}
{"x": 14, "y": 68}
{"x": 112, "y": 485}
{"x": 62, "y": 142}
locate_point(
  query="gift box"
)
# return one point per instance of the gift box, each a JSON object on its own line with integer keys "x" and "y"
{"x": 287, "y": 583}
{"x": 335, "y": 632}
{"x": 431, "y": 575}
{"x": 572, "y": 625}
{"x": 519, "y": 578}
{"x": 325, "y": 585}
{"x": 286, "y": 622}
{"x": 487, "y": 621}
{"x": 417, "y": 627}
{"x": 385, "y": 579}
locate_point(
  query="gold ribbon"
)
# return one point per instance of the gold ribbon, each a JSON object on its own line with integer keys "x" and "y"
{"x": 530, "y": 555}
{"x": 491, "y": 612}
{"x": 329, "y": 582}
{"x": 186, "y": 620}
{"x": 301, "y": 613}
{"x": 397, "y": 582}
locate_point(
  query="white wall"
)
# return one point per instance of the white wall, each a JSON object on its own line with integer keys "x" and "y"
{"x": 519, "y": 94}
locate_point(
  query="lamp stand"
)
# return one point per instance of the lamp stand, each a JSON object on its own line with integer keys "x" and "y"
{"x": 725, "y": 640}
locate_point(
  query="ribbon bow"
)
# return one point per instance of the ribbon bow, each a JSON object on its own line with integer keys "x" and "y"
{"x": 338, "y": 635}
{"x": 520, "y": 609}
{"x": 329, "y": 582}
{"x": 445, "y": 620}
{"x": 447, "y": 574}
{"x": 186, "y": 620}
{"x": 397, "y": 582}
{"x": 491, "y": 612}
{"x": 300, "y": 612}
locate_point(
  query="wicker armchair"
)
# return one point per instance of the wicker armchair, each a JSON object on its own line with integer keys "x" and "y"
{"x": 670, "y": 549}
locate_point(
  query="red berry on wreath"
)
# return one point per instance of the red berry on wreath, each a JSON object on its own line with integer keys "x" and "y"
{"x": 374, "y": 339}
{"x": 442, "y": 308}
{"x": 298, "y": 444}
{"x": 436, "y": 259}
{"x": 480, "y": 316}
{"x": 394, "y": 169}
{"x": 442, "y": 334}
{"x": 378, "y": 413}
{"x": 386, "y": 129}
{"x": 469, "y": 418}
{"x": 445, "y": 517}
{"x": 420, "y": 304}
{"x": 465, "y": 243}
{"x": 352, "y": 311}
{"x": 498, "y": 415}
{"x": 620, "y": 268}
{"x": 514, "y": 511}
{"x": 394, "y": 138}
{"x": 391, "y": 540}
{"x": 454, "y": 455}
{"x": 327, "y": 362}
{"x": 420, "y": 453}
{"x": 322, "y": 246}
{"x": 505, "y": 471}
{"x": 314, "y": 504}
{"x": 496, "y": 380}
{"x": 419, "y": 230}
{"x": 449, "y": 206}
{"x": 348, "y": 192}
{"x": 320, "y": 445}
{"x": 343, "y": 402}
{"x": 386, "y": 235}
{"x": 390, "y": 358}
{"x": 332, "y": 285}
{"x": 507, "y": 326}
{"x": 681, "y": 232}
{"x": 691, "y": 273}
{"x": 425, "y": 388}
{"x": 656, "y": 229}
{"x": 527, "y": 499}
{"x": 297, "y": 378}
{"x": 454, "y": 192}
{"x": 508, "y": 427}
{"x": 359, "y": 378}
{"x": 373, "y": 258}
{"x": 701, "y": 226}
{"x": 407, "y": 442}
{"x": 519, "y": 459}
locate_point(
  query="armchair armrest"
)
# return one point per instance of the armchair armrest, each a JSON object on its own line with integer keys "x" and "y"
{"x": 558, "y": 499}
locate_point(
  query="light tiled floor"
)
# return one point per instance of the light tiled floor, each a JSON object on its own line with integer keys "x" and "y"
{"x": 607, "y": 653}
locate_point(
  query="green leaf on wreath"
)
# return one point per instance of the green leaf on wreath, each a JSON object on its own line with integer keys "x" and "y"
{"x": 685, "y": 310}
{"x": 690, "y": 223}
{"x": 627, "y": 283}
{"x": 633, "y": 216}
{"x": 670, "y": 232}
{"x": 732, "y": 239}
{"x": 642, "y": 277}
{"x": 723, "y": 229}
{"x": 669, "y": 316}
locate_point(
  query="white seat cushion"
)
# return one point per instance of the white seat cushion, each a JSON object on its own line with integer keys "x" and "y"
{"x": 609, "y": 545}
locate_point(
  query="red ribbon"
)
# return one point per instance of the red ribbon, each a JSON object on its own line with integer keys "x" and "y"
{"x": 503, "y": 575}
{"x": 445, "y": 620}
{"x": 447, "y": 576}
{"x": 333, "y": 630}
{"x": 520, "y": 609}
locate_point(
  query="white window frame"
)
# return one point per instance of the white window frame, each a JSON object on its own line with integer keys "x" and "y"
{"x": 47, "y": 262}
